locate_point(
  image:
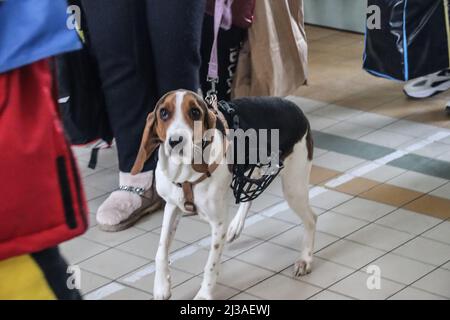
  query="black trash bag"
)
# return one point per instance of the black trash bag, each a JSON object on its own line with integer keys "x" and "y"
{"x": 412, "y": 41}
{"x": 80, "y": 94}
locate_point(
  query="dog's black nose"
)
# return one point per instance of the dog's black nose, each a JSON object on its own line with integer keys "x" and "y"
{"x": 174, "y": 141}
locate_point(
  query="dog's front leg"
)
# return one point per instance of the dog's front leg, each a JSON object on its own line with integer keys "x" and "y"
{"x": 161, "y": 288}
{"x": 211, "y": 271}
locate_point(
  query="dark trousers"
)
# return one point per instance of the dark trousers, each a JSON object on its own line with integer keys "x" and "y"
{"x": 144, "y": 48}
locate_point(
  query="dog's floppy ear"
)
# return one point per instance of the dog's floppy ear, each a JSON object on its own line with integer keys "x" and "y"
{"x": 210, "y": 116}
{"x": 150, "y": 141}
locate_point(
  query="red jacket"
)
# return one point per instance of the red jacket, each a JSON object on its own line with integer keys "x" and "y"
{"x": 41, "y": 199}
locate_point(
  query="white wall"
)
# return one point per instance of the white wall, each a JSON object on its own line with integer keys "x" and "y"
{"x": 340, "y": 14}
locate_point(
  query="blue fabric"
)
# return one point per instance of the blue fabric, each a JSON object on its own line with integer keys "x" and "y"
{"x": 31, "y": 30}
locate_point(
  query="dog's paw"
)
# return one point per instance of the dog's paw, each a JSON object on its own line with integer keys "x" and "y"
{"x": 202, "y": 295}
{"x": 301, "y": 268}
{"x": 161, "y": 289}
{"x": 234, "y": 229}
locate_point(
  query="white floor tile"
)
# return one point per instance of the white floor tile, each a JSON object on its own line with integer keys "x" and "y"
{"x": 194, "y": 263}
{"x": 330, "y": 199}
{"x": 319, "y": 123}
{"x": 280, "y": 287}
{"x": 337, "y": 224}
{"x": 411, "y": 128}
{"x": 408, "y": 221}
{"x": 151, "y": 221}
{"x": 291, "y": 217}
{"x": 356, "y": 286}
{"x": 106, "y": 180}
{"x": 264, "y": 201}
{"x": 380, "y": 237}
{"x": 91, "y": 281}
{"x": 417, "y": 182}
{"x": 146, "y": 245}
{"x": 113, "y": 263}
{"x": 329, "y": 295}
{"x": 364, "y": 209}
{"x": 244, "y": 296}
{"x": 324, "y": 273}
{"x": 437, "y": 282}
{"x": 293, "y": 239}
{"x": 348, "y": 130}
{"x": 270, "y": 256}
{"x": 384, "y": 173}
{"x": 129, "y": 294}
{"x": 93, "y": 204}
{"x": 267, "y": 228}
{"x": 400, "y": 269}
{"x": 240, "y": 275}
{"x": 143, "y": 280}
{"x": 350, "y": 254}
{"x": 307, "y": 105}
{"x": 92, "y": 192}
{"x": 433, "y": 150}
{"x": 386, "y": 138}
{"x": 337, "y": 161}
{"x": 425, "y": 250}
{"x": 190, "y": 230}
{"x": 275, "y": 188}
{"x": 241, "y": 244}
{"x": 443, "y": 192}
{"x": 414, "y": 294}
{"x": 188, "y": 290}
{"x": 79, "y": 249}
{"x": 111, "y": 239}
{"x": 441, "y": 232}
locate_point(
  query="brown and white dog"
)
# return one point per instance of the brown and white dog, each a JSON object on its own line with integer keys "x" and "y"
{"x": 171, "y": 125}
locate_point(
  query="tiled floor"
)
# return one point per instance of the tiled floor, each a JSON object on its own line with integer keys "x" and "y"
{"x": 382, "y": 193}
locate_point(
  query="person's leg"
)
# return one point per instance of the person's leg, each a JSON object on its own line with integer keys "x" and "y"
{"x": 175, "y": 29}
{"x": 39, "y": 276}
{"x": 119, "y": 41}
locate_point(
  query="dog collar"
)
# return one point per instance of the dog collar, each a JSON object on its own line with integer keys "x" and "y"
{"x": 188, "y": 191}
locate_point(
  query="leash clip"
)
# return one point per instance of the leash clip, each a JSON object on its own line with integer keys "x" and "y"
{"x": 211, "y": 94}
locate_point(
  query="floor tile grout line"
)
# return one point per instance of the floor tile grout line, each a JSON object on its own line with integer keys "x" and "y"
{"x": 420, "y": 278}
{"x": 264, "y": 241}
{"x": 287, "y": 230}
{"x": 340, "y": 238}
{"x": 124, "y": 286}
{"x": 384, "y": 254}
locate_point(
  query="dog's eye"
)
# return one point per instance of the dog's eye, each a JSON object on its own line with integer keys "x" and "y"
{"x": 164, "y": 114}
{"x": 195, "y": 114}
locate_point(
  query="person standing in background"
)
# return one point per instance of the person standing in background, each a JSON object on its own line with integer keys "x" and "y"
{"x": 144, "y": 48}
{"x": 42, "y": 201}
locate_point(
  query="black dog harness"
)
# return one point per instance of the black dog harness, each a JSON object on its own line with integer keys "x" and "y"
{"x": 245, "y": 187}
